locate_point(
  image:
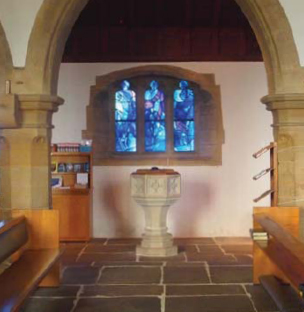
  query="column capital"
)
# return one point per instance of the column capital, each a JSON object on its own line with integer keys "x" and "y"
{"x": 284, "y": 101}
{"x": 36, "y": 109}
{"x": 43, "y": 102}
{"x": 287, "y": 109}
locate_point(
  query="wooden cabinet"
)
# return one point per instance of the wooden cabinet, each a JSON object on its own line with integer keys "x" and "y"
{"x": 72, "y": 196}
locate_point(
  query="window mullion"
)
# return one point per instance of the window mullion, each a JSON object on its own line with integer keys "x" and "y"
{"x": 169, "y": 121}
{"x": 140, "y": 121}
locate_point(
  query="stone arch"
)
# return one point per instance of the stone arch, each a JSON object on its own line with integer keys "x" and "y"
{"x": 268, "y": 20}
{"x": 6, "y": 62}
{"x": 274, "y": 34}
{"x": 52, "y": 26}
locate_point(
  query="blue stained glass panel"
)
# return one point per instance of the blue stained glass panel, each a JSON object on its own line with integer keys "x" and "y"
{"x": 183, "y": 102}
{"x": 154, "y": 103}
{"x": 184, "y": 134}
{"x": 155, "y": 136}
{"x": 125, "y": 139}
{"x": 125, "y": 103}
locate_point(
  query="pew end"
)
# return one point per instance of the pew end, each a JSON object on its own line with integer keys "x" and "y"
{"x": 43, "y": 229}
{"x": 31, "y": 241}
{"x": 282, "y": 254}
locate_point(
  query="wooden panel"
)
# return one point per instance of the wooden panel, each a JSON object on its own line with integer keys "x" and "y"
{"x": 119, "y": 43}
{"x": 202, "y": 12}
{"x": 144, "y": 41}
{"x": 173, "y": 12}
{"x": 117, "y": 12}
{"x": 263, "y": 265}
{"x": 43, "y": 227}
{"x": 142, "y": 16}
{"x": 74, "y": 214}
{"x": 22, "y": 278}
{"x": 174, "y": 42}
{"x": 102, "y": 32}
{"x": 232, "y": 42}
{"x": 289, "y": 261}
{"x": 203, "y": 40}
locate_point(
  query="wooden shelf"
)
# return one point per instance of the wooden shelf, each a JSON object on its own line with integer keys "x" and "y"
{"x": 70, "y": 154}
{"x": 62, "y": 191}
{"x": 67, "y": 173}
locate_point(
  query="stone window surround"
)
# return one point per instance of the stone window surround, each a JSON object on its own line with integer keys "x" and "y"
{"x": 208, "y": 117}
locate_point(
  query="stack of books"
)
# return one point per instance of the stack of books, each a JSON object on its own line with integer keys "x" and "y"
{"x": 68, "y": 147}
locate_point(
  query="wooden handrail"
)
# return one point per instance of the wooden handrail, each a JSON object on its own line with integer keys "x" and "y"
{"x": 5, "y": 225}
{"x": 263, "y": 195}
{"x": 262, "y": 173}
{"x": 264, "y": 150}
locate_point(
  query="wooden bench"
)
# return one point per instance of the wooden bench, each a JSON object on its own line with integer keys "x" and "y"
{"x": 281, "y": 255}
{"x": 31, "y": 241}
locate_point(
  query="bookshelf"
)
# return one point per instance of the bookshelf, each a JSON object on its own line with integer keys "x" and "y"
{"x": 72, "y": 193}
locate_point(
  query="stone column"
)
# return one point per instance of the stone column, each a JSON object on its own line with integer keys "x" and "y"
{"x": 25, "y": 155}
{"x": 288, "y": 125}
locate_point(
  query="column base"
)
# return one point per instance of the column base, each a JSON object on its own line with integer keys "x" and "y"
{"x": 156, "y": 252}
{"x": 157, "y": 246}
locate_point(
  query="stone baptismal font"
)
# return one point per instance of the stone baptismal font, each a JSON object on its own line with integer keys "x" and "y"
{"x": 155, "y": 190}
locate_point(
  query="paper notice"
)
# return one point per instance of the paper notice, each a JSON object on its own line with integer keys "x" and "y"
{"x": 83, "y": 178}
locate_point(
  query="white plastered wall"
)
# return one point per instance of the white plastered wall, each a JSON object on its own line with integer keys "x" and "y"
{"x": 17, "y": 18}
{"x": 216, "y": 201}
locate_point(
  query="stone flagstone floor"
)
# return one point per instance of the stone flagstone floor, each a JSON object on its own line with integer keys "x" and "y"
{"x": 209, "y": 274}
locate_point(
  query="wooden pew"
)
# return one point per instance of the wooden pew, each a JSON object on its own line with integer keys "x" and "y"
{"x": 31, "y": 240}
{"x": 282, "y": 255}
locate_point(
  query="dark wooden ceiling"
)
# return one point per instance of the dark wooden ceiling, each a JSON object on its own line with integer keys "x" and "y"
{"x": 161, "y": 30}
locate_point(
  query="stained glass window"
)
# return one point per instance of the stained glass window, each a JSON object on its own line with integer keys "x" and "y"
{"x": 125, "y": 119}
{"x": 155, "y": 128}
{"x": 184, "y": 125}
